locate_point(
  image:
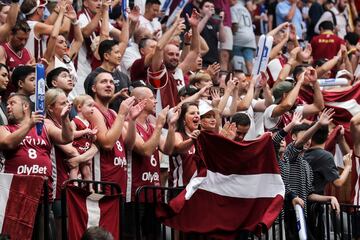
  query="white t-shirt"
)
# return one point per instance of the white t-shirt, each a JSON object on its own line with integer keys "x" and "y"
{"x": 272, "y": 122}
{"x": 153, "y": 25}
{"x": 84, "y": 64}
{"x": 131, "y": 54}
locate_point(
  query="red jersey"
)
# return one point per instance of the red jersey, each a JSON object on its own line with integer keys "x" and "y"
{"x": 143, "y": 170}
{"x": 111, "y": 166}
{"x": 83, "y": 143}
{"x": 182, "y": 167}
{"x": 326, "y": 45}
{"x": 13, "y": 60}
{"x": 60, "y": 172}
{"x": 169, "y": 81}
{"x": 32, "y": 156}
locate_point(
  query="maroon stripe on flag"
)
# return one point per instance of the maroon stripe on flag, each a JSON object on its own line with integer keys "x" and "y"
{"x": 228, "y": 214}
{"x": 77, "y": 212}
{"x": 229, "y": 157}
{"x": 110, "y": 210}
{"x": 22, "y": 204}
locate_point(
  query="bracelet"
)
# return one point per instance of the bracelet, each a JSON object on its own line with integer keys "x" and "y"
{"x": 75, "y": 23}
{"x": 187, "y": 44}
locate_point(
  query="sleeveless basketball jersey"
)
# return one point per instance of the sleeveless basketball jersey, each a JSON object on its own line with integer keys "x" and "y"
{"x": 111, "y": 166}
{"x": 31, "y": 157}
{"x": 142, "y": 170}
{"x": 35, "y": 44}
{"x": 182, "y": 167}
{"x": 83, "y": 143}
{"x": 13, "y": 59}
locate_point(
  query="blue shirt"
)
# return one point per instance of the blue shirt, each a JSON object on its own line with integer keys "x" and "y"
{"x": 282, "y": 10}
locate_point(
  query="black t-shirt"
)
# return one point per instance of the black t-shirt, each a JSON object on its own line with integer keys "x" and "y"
{"x": 121, "y": 81}
{"x": 209, "y": 33}
{"x": 272, "y": 11}
{"x": 315, "y": 12}
{"x": 323, "y": 166}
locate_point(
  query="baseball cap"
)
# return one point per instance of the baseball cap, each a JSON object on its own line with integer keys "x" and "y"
{"x": 205, "y": 107}
{"x": 280, "y": 89}
{"x": 343, "y": 73}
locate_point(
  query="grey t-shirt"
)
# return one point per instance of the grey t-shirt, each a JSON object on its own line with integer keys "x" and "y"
{"x": 244, "y": 36}
{"x": 323, "y": 166}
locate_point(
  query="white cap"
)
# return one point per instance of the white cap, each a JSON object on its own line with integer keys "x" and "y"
{"x": 342, "y": 73}
{"x": 204, "y": 107}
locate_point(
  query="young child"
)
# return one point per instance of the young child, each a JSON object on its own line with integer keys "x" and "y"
{"x": 84, "y": 134}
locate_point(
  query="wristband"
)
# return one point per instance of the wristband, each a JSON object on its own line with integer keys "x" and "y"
{"x": 75, "y": 22}
{"x": 187, "y": 44}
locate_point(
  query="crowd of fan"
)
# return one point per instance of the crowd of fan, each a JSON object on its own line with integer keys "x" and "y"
{"x": 128, "y": 93}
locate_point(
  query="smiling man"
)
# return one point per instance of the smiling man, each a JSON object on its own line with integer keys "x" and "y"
{"x": 110, "y": 56}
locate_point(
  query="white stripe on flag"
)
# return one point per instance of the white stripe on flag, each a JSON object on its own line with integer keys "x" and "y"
{"x": 5, "y": 184}
{"x": 238, "y": 186}
{"x": 93, "y": 209}
{"x": 351, "y": 106}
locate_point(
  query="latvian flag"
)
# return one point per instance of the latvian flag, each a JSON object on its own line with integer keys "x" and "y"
{"x": 19, "y": 200}
{"x": 87, "y": 209}
{"x": 238, "y": 187}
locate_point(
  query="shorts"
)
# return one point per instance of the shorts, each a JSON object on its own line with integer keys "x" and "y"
{"x": 228, "y": 44}
{"x": 245, "y": 52}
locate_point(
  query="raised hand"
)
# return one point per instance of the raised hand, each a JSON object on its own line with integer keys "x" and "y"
{"x": 194, "y": 19}
{"x": 161, "y": 118}
{"x": 70, "y": 13}
{"x": 65, "y": 111}
{"x": 232, "y": 83}
{"x": 296, "y": 120}
{"x": 126, "y": 105}
{"x": 137, "y": 109}
{"x": 292, "y": 32}
{"x": 173, "y": 116}
{"x": 188, "y": 37}
{"x": 215, "y": 95}
{"x": 134, "y": 14}
{"x": 229, "y": 130}
{"x": 213, "y": 69}
{"x": 310, "y": 75}
{"x": 306, "y": 53}
{"x": 326, "y": 117}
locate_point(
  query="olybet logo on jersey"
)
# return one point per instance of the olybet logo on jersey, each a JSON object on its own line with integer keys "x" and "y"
{"x": 34, "y": 169}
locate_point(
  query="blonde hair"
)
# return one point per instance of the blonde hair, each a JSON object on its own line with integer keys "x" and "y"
{"x": 80, "y": 100}
{"x": 197, "y": 77}
{"x": 51, "y": 97}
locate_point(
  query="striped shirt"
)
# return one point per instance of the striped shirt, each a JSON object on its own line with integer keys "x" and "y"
{"x": 300, "y": 175}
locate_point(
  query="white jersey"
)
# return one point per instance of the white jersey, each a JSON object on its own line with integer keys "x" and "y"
{"x": 34, "y": 44}
{"x": 84, "y": 64}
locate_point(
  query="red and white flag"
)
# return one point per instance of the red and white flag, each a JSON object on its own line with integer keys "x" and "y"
{"x": 238, "y": 187}
{"x": 87, "y": 209}
{"x": 19, "y": 200}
